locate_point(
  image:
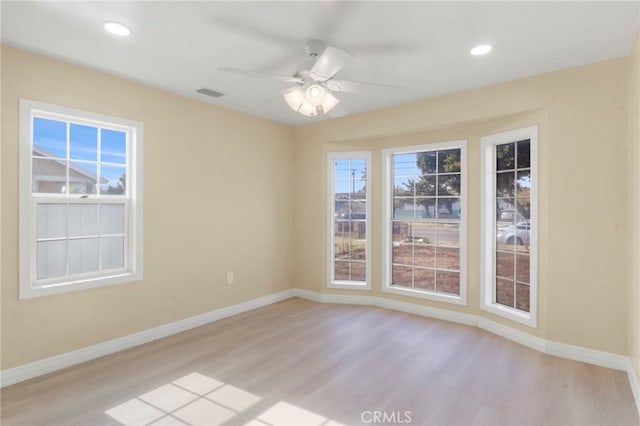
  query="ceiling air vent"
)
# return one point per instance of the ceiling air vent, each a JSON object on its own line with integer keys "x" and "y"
{"x": 209, "y": 92}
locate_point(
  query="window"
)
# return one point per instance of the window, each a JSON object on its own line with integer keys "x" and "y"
{"x": 80, "y": 200}
{"x": 509, "y": 225}
{"x": 349, "y": 220}
{"x": 425, "y": 226}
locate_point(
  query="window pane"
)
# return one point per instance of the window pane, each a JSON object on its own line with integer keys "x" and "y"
{"x": 507, "y": 237}
{"x": 448, "y": 208}
{"x": 403, "y": 208}
{"x": 426, "y": 162}
{"x": 448, "y": 258}
{"x": 424, "y": 232}
{"x": 111, "y": 219}
{"x": 522, "y": 297}
{"x": 402, "y": 276}
{"x": 358, "y": 189}
{"x": 505, "y": 184}
{"x": 524, "y": 209}
{"x": 113, "y": 146}
{"x": 523, "y": 183}
{"x": 448, "y": 282}
{"x": 449, "y": 185}
{"x": 83, "y": 220}
{"x": 404, "y": 165}
{"x": 341, "y": 271}
{"x": 402, "y": 246}
{"x": 358, "y": 271}
{"x": 49, "y": 138}
{"x": 112, "y": 252}
{"x": 524, "y": 154}
{"x": 49, "y": 176}
{"x": 425, "y": 208}
{"x": 522, "y": 268}
{"x": 83, "y": 142}
{"x": 504, "y": 292}
{"x": 358, "y": 168}
{"x": 448, "y": 234}
{"x": 83, "y": 255}
{"x": 425, "y": 279}
{"x": 424, "y": 255}
{"x": 113, "y": 180}
{"x": 51, "y": 259}
{"x": 505, "y": 156}
{"x": 341, "y": 169}
{"x": 52, "y": 221}
{"x": 449, "y": 161}
{"x": 83, "y": 178}
{"x": 505, "y": 265}
{"x": 426, "y": 186}
{"x": 403, "y": 185}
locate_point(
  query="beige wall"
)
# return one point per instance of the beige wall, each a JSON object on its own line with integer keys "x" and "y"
{"x": 634, "y": 199}
{"x": 581, "y": 115}
{"x": 217, "y": 198}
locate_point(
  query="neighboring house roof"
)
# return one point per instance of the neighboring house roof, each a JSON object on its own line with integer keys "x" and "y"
{"x": 76, "y": 172}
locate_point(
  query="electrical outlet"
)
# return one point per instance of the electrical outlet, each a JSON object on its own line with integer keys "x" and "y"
{"x": 229, "y": 277}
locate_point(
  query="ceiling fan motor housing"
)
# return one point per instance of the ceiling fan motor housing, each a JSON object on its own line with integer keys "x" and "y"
{"x": 314, "y": 48}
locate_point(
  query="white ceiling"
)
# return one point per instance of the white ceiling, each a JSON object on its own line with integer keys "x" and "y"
{"x": 422, "y": 46}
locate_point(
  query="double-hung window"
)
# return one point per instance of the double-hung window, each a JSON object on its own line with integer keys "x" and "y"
{"x": 80, "y": 199}
{"x": 425, "y": 221}
{"x": 509, "y": 224}
{"x": 349, "y": 220}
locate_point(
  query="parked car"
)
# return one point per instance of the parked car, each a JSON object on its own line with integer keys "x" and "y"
{"x": 518, "y": 233}
{"x": 510, "y": 215}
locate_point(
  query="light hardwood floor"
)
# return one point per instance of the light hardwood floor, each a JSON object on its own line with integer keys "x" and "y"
{"x": 300, "y": 362}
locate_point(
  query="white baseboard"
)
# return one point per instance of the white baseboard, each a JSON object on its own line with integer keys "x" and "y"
{"x": 58, "y": 362}
{"x": 577, "y": 353}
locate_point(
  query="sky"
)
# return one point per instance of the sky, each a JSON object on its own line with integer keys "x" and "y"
{"x": 51, "y": 137}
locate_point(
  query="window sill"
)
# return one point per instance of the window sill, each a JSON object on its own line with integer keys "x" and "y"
{"x": 510, "y": 314}
{"x": 438, "y": 297}
{"x": 350, "y": 285}
{"x": 30, "y": 291}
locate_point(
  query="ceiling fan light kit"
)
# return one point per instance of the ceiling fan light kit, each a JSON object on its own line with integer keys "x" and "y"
{"x": 313, "y": 100}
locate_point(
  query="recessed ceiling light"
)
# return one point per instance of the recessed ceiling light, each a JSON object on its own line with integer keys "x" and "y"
{"x": 483, "y": 49}
{"x": 116, "y": 28}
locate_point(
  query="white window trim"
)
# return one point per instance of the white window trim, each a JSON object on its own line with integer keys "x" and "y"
{"x": 488, "y": 226}
{"x": 387, "y": 215}
{"x": 27, "y": 230}
{"x": 331, "y": 282}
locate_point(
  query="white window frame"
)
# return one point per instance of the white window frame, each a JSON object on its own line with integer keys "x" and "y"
{"x": 488, "y": 226}
{"x": 331, "y": 281}
{"x": 387, "y": 216}
{"x": 29, "y": 286}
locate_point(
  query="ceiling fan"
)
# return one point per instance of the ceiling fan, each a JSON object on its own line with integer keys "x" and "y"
{"x": 314, "y": 87}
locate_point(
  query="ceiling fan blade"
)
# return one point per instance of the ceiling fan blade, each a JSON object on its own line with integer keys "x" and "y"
{"x": 329, "y": 62}
{"x": 361, "y": 88}
{"x": 256, "y": 74}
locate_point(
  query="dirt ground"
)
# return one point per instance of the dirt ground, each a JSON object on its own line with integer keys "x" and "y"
{"x": 420, "y": 265}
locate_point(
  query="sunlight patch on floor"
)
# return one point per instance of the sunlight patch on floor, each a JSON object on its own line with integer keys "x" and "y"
{"x": 198, "y": 400}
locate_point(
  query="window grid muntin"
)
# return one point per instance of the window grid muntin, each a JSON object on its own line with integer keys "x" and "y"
{"x": 131, "y": 144}
{"x": 68, "y": 161}
{"x": 415, "y": 175}
{"x": 488, "y": 229}
{"x": 356, "y": 267}
{"x": 514, "y": 223}
{"x": 81, "y": 276}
